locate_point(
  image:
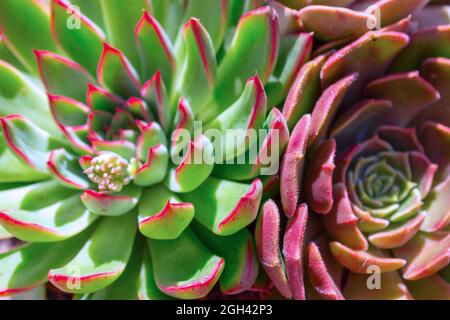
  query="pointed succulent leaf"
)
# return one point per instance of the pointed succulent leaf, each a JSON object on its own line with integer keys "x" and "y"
{"x": 360, "y": 261}
{"x": 295, "y": 50}
{"x": 426, "y": 43}
{"x": 97, "y": 265}
{"x": 194, "y": 168}
{"x": 99, "y": 99}
{"x": 162, "y": 215}
{"x": 65, "y": 168}
{"x": 196, "y": 74}
{"x": 151, "y": 135}
{"x": 15, "y": 170}
{"x": 183, "y": 267}
{"x": 334, "y": 23}
{"x": 22, "y": 36}
{"x": 81, "y": 38}
{"x": 55, "y": 70}
{"x": 392, "y": 283}
{"x": 225, "y": 215}
{"x": 20, "y": 96}
{"x": 426, "y": 253}
{"x": 120, "y": 20}
{"x": 154, "y": 169}
{"x": 435, "y": 138}
{"x": 304, "y": 92}
{"x": 57, "y": 222}
{"x": 241, "y": 265}
{"x": 319, "y": 178}
{"x": 368, "y": 56}
{"x": 155, "y": 94}
{"x": 254, "y": 48}
{"x": 68, "y": 112}
{"x": 29, "y": 143}
{"x": 341, "y": 222}
{"x": 319, "y": 276}
{"x": 292, "y": 167}
{"x": 19, "y": 270}
{"x": 116, "y": 73}
{"x": 267, "y": 236}
{"x": 409, "y": 93}
{"x": 236, "y": 128}
{"x": 155, "y": 48}
{"x": 438, "y": 213}
{"x": 115, "y": 204}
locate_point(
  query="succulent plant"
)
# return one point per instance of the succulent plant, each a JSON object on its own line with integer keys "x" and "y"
{"x": 92, "y": 122}
{"x": 365, "y": 179}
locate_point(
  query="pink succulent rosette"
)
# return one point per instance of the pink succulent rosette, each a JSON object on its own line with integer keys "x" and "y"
{"x": 365, "y": 180}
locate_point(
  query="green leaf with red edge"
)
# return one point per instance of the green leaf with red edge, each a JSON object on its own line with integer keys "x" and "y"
{"x": 29, "y": 143}
{"x": 193, "y": 168}
{"x": 117, "y": 74}
{"x": 183, "y": 267}
{"x": 295, "y": 50}
{"x": 304, "y": 92}
{"x": 92, "y": 9}
{"x": 213, "y": 15}
{"x": 55, "y": 223}
{"x": 162, "y": 215}
{"x": 238, "y": 250}
{"x": 155, "y": 94}
{"x": 154, "y": 169}
{"x": 267, "y": 237}
{"x": 26, "y": 26}
{"x": 121, "y": 19}
{"x": 7, "y": 56}
{"x": 34, "y": 196}
{"x": 368, "y": 56}
{"x": 426, "y": 253}
{"x": 55, "y": 71}
{"x": 14, "y": 170}
{"x": 225, "y": 207}
{"x": 334, "y": 23}
{"x": 126, "y": 287}
{"x": 427, "y": 43}
{"x": 196, "y": 71}
{"x": 20, "y": 96}
{"x": 19, "y": 270}
{"x": 265, "y": 160}
{"x": 253, "y": 48}
{"x": 170, "y": 15}
{"x": 98, "y": 264}
{"x": 99, "y": 99}
{"x": 151, "y": 135}
{"x": 112, "y": 204}
{"x": 64, "y": 167}
{"x": 148, "y": 290}
{"x": 236, "y": 129}
{"x": 81, "y": 38}
{"x": 155, "y": 48}
{"x": 68, "y": 112}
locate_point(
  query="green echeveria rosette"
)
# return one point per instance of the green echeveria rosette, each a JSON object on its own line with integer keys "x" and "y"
{"x": 92, "y": 119}
{"x": 364, "y": 182}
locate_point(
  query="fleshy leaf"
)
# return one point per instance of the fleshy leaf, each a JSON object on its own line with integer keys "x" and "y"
{"x": 97, "y": 264}
{"x": 238, "y": 250}
{"x": 154, "y": 169}
{"x": 22, "y": 36}
{"x": 162, "y": 215}
{"x": 253, "y": 48}
{"x": 117, "y": 74}
{"x": 438, "y": 212}
{"x": 155, "y": 48}
{"x": 292, "y": 167}
{"x": 114, "y": 204}
{"x": 225, "y": 207}
{"x": 81, "y": 38}
{"x": 184, "y": 268}
{"x": 58, "y": 222}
